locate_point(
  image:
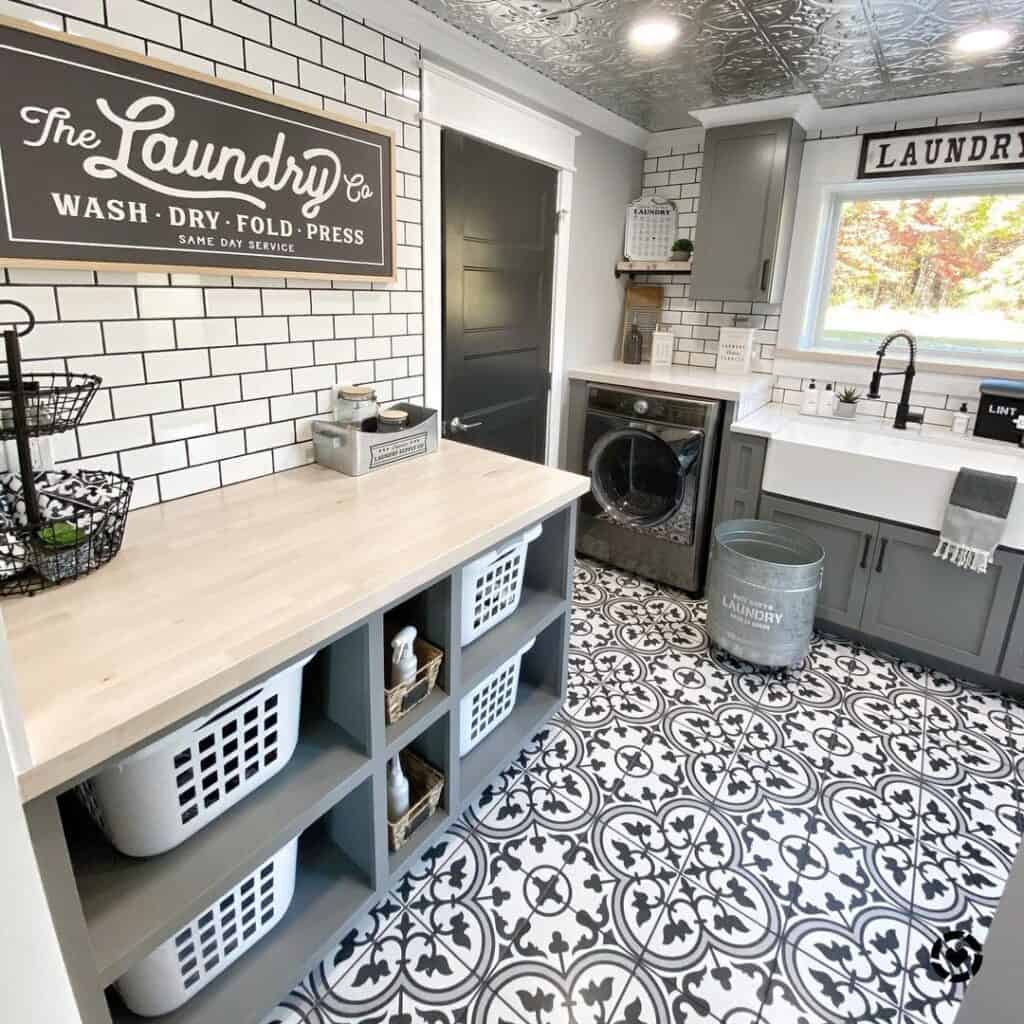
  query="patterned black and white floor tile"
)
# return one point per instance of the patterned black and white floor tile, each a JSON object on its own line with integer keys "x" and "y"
{"x": 693, "y": 840}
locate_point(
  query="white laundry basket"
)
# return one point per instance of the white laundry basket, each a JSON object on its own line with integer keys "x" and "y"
{"x": 490, "y": 702}
{"x": 211, "y": 942}
{"x": 159, "y": 796}
{"x": 493, "y": 584}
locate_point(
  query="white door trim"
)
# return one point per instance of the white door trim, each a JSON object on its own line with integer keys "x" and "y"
{"x": 452, "y": 101}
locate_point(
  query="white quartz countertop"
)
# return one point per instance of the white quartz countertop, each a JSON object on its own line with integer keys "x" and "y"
{"x": 868, "y": 466}
{"x": 748, "y": 390}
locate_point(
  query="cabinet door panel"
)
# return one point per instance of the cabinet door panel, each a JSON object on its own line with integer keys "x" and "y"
{"x": 739, "y": 479}
{"x": 848, "y": 541}
{"x": 1012, "y": 666}
{"x": 924, "y": 603}
{"x": 747, "y": 199}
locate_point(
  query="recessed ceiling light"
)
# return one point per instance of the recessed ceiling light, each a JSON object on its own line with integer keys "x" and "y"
{"x": 982, "y": 40}
{"x": 652, "y": 34}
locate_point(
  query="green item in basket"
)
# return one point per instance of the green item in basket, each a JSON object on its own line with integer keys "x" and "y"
{"x": 61, "y": 535}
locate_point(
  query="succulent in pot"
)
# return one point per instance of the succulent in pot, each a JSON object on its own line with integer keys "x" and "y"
{"x": 682, "y": 249}
{"x": 62, "y": 550}
{"x": 846, "y": 407}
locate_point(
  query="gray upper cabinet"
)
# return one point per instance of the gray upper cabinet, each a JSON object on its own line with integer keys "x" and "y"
{"x": 928, "y": 605}
{"x": 849, "y": 543}
{"x": 747, "y": 204}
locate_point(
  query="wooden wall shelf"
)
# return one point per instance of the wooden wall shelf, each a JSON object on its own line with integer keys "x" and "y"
{"x": 111, "y": 910}
{"x": 632, "y": 267}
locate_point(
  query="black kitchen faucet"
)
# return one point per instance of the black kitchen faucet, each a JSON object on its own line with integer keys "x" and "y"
{"x": 903, "y": 413}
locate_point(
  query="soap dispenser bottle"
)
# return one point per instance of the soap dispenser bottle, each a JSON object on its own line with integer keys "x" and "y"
{"x": 398, "y": 789}
{"x": 826, "y": 401}
{"x": 633, "y": 346}
{"x": 809, "y": 405}
{"x": 961, "y": 419}
{"x": 403, "y": 658}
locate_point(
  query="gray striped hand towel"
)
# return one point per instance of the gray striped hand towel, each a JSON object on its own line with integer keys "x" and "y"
{"x": 975, "y": 518}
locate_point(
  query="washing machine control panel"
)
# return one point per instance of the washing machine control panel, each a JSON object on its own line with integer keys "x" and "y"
{"x": 684, "y": 412}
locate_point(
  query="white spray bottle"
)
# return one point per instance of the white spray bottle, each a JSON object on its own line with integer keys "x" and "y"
{"x": 398, "y": 789}
{"x": 403, "y": 657}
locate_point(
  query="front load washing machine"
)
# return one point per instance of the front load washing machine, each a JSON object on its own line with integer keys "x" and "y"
{"x": 651, "y": 462}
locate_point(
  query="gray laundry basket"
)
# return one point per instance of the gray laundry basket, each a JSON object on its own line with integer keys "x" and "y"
{"x": 762, "y": 591}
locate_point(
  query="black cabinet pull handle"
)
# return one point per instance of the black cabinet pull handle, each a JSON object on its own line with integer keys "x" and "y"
{"x": 867, "y": 548}
{"x": 881, "y": 554}
{"x": 765, "y": 267}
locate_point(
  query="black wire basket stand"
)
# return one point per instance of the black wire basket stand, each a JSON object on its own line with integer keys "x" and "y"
{"x": 55, "y": 525}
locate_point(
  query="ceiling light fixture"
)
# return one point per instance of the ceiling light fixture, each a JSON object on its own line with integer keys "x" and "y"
{"x": 653, "y": 34}
{"x": 982, "y": 40}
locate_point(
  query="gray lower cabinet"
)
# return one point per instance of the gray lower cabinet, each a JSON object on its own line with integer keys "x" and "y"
{"x": 882, "y": 580}
{"x": 849, "y": 542}
{"x": 741, "y": 467}
{"x": 924, "y": 603}
{"x": 1012, "y": 667}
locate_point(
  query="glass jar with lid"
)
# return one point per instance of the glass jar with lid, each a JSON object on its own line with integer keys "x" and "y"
{"x": 354, "y": 404}
{"x": 391, "y": 420}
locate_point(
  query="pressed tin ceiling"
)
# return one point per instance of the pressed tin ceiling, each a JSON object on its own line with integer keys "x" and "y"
{"x": 734, "y": 51}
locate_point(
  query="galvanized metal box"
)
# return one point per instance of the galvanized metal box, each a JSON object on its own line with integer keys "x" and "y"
{"x": 355, "y": 452}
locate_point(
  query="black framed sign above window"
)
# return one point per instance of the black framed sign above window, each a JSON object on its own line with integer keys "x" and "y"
{"x": 991, "y": 146}
{"x": 123, "y": 162}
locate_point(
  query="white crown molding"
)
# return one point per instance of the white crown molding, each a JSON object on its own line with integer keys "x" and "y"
{"x": 500, "y": 98}
{"x": 436, "y": 38}
{"x": 803, "y": 109}
{"x": 972, "y": 105}
{"x": 948, "y": 108}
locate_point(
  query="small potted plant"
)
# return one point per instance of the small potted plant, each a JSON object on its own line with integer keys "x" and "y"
{"x": 682, "y": 250}
{"x": 58, "y": 552}
{"x": 846, "y": 407}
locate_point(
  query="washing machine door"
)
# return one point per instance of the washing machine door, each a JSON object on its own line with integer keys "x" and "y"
{"x": 639, "y": 473}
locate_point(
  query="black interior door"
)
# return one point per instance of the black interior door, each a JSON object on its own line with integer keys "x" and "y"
{"x": 499, "y": 244}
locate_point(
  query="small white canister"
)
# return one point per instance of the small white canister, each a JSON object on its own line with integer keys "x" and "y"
{"x": 354, "y": 403}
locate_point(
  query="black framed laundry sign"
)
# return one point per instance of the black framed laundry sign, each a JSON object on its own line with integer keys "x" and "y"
{"x": 992, "y": 146}
{"x": 118, "y": 161}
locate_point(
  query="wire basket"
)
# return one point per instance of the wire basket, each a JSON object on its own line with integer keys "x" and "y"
{"x": 84, "y": 515}
{"x": 54, "y": 402}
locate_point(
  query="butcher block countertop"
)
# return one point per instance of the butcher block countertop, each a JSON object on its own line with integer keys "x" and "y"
{"x": 214, "y": 590}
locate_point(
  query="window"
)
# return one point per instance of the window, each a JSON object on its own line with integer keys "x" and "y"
{"x": 947, "y": 266}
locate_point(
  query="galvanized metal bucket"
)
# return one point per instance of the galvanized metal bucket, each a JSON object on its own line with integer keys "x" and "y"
{"x": 762, "y": 591}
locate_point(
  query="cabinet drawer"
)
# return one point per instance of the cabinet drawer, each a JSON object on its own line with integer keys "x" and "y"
{"x": 924, "y": 603}
{"x": 849, "y": 543}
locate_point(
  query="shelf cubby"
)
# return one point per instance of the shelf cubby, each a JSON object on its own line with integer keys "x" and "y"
{"x": 539, "y": 695}
{"x": 334, "y": 883}
{"x": 131, "y": 904}
{"x": 433, "y": 745}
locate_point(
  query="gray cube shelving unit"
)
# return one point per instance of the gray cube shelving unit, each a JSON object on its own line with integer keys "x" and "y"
{"x": 111, "y": 911}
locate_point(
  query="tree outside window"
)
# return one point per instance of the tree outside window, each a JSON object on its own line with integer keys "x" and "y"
{"x": 950, "y": 268}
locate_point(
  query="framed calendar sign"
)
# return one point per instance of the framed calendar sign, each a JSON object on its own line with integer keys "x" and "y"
{"x": 651, "y": 226}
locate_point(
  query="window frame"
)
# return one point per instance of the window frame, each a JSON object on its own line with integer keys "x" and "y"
{"x": 921, "y": 186}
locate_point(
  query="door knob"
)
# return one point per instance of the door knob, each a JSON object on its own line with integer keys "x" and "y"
{"x": 456, "y": 426}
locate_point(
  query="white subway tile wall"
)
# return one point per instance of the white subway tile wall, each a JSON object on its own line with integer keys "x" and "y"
{"x": 210, "y": 380}
{"x": 675, "y": 173}
{"x": 673, "y": 169}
